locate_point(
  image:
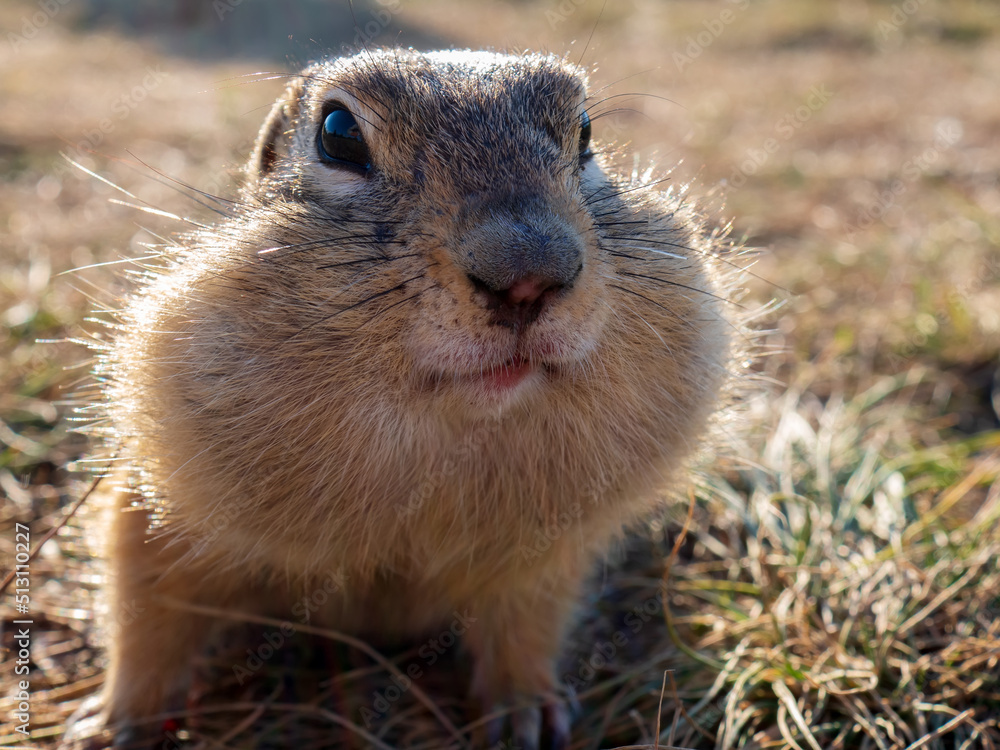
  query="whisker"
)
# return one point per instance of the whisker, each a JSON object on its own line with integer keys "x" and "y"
{"x": 615, "y": 83}
{"x": 120, "y": 261}
{"x": 592, "y": 199}
{"x": 640, "y": 240}
{"x": 365, "y": 274}
{"x": 667, "y": 310}
{"x": 366, "y": 260}
{"x": 145, "y": 205}
{"x": 681, "y": 286}
{"x": 661, "y": 253}
{"x": 647, "y": 241}
{"x": 637, "y": 112}
{"x": 356, "y": 305}
{"x": 607, "y": 112}
{"x": 169, "y": 179}
{"x": 268, "y": 75}
{"x": 296, "y": 247}
{"x": 638, "y": 94}
{"x": 592, "y": 30}
{"x": 262, "y": 76}
{"x": 739, "y": 331}
{"x": 650, "y": 327}
{"x": 394, "y": 304}
{"x": 158, "y": 212}
{"x": 643, "y": 222}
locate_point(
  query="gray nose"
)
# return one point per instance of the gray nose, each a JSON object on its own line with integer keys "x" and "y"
{"x": 519, "y": 263}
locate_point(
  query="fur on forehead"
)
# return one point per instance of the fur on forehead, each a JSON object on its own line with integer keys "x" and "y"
{"x": 396, "y": 83}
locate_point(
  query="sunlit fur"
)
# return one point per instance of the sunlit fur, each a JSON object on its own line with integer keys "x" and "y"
{"x": 299, "y": 390}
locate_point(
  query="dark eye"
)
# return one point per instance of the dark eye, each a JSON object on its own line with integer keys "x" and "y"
{"x": 585, "y": 152}
{"x": 340, "y": 141}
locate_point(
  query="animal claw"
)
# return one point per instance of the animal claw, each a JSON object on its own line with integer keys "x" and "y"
{"x": 545, "y": 727}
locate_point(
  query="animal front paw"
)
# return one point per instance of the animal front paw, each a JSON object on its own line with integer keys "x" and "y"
{"x": 534, "y": 727}
{"x": 91, "y": 728}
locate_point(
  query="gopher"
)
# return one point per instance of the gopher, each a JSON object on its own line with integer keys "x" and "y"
{"x": 433, "y": 324}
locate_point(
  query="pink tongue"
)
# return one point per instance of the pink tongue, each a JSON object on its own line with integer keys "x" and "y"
{"x": 508, "y": 375}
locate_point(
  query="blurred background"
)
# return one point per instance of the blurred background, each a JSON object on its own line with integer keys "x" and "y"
{"x": 856, "y": 143}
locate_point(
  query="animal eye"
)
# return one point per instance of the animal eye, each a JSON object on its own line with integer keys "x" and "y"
{"x": 585, "y": 152}
{"x": 340, "y": 141}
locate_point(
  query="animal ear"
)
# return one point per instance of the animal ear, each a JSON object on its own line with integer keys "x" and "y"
{"x": 274, "y": 135}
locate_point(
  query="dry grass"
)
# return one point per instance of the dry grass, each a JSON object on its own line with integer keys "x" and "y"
{"x": 838, "y": 583}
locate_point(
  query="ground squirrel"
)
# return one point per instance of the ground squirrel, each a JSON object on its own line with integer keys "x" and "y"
{"x": 432, "y": 324}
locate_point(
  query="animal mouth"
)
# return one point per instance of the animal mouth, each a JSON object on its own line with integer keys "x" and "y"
{"x": 494, "y": 378}
{"x": 507, "y": 375}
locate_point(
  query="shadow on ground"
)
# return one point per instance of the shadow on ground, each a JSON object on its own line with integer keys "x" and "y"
{"x": 292, "y": 33}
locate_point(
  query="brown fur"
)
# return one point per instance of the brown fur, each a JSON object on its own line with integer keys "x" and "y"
{"x": 298, "y": 392}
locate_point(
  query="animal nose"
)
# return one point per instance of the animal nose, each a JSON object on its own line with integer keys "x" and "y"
{"x": 526, "y": 292}
{"x": 519, "y": 304}
{"x": 519, "y": 259}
